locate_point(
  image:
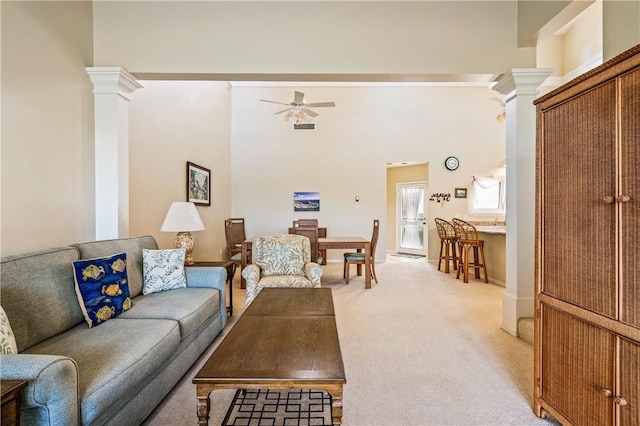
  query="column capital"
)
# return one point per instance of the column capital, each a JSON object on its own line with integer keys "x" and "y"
{"x": 521, "y": 81}
{"x": 113, "y": 81}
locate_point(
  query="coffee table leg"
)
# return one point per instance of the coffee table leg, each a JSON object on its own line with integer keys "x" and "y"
{"x": 203, "y": 409}
{"x": 336, "y": 407}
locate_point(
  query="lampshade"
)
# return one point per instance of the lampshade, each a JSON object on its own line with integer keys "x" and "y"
{"x": 182, "y": 217}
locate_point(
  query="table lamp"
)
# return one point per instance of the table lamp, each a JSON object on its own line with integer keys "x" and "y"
{"x": 183, "y": 218}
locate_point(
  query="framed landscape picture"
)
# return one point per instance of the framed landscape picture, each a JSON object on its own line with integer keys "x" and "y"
{"x": 198, "y": 184}
{"x": 461, "y": 193}
{"x": 306, "y": 201}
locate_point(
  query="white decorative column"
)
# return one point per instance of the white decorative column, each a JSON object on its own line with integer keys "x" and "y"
{"x": 112, "y": 87}
{"x": 520, "y": 88}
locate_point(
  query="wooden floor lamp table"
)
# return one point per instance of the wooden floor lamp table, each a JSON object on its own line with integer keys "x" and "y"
{"x": 11, "y": 389}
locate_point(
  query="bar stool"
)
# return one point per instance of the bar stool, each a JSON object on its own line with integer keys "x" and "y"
{"x": 448, "y": 244}
{"x": 467, "y": 236}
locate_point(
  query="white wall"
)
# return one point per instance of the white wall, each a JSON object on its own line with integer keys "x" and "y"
{"x": 583, "y": 41}
{"x": 347, "y": 154}
{"x": 317, "y": 37}
{"x": 172, "y": 122}
{"x": 47, "y": 125}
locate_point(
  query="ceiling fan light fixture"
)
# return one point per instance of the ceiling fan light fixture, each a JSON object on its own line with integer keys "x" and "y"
{"x": 301, "y": 117}
{"x": 298, "y": 110}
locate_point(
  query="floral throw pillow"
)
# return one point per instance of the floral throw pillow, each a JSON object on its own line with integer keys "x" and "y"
{"x": 7, "y": 339}
{"x": 102, "y": 287}
{"x": 163, "y": 270}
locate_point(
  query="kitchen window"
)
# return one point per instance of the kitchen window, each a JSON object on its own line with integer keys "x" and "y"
{"x": 487, "y": 195}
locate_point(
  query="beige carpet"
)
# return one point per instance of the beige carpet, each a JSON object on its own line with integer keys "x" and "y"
{"x": 419, "y": 348}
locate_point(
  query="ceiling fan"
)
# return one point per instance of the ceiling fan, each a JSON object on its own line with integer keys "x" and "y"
{"x": 299, "y": 109}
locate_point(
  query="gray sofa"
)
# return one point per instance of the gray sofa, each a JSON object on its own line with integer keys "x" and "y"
{"x": 117, "y": 372}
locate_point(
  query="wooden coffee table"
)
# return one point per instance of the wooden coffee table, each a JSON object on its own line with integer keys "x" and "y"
{"x": 286, "y": 339}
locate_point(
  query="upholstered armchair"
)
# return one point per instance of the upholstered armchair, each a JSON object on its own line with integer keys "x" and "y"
{"x": 282, "y": 260}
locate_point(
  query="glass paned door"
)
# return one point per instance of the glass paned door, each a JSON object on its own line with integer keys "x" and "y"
{"x": 411, "y": 218}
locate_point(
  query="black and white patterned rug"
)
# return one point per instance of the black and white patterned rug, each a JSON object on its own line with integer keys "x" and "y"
{"x": 262, "y": 407}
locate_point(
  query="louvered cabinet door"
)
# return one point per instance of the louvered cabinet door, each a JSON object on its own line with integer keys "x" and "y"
{"x": 630, "y": 197}
{"x": 577, "y": 368}
{"x": 578, "y": 187}
{"x": 629, "y": 388}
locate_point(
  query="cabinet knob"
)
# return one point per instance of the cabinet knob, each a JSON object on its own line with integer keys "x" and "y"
{"x": 623, "y": 199}
{"x": 606, "y": 392}
{"x": 620, "y": 401}
{"x": 609, "y": 199}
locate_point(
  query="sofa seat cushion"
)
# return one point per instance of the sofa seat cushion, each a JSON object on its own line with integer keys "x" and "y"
{"x": 285, "y": 281}
{"x": 115, "y": 359}
{"x": 190, "y": 306}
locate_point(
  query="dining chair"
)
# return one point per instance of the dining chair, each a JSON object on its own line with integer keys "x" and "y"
{"x": 322, "y": 232}
{"x": 235, "y": 235}
{"x": 306, "y": 222}
{"x": 311, "y": 232}
{"x": 359, "y": 258}
{"x": 448, "y": 244}
{"x": 467, "y": 239}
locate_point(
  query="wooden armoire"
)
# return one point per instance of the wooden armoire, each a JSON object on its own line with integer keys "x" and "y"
{"x": 587, "y": 313}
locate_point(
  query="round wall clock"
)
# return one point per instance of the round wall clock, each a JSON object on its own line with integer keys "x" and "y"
{"x": 451, "y": 163}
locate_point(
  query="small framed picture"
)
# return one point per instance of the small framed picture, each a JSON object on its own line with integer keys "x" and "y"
{"x": 461, "y": 192}
{"x": 306, "y": 201}
{"x": 198, "y": 184}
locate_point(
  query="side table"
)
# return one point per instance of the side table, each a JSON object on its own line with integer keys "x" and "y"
{"x": 231, "y": 270}
{"x": 11, "y": 401}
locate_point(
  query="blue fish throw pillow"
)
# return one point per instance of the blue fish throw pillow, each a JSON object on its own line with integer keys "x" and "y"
{"x": 102, "y": 287}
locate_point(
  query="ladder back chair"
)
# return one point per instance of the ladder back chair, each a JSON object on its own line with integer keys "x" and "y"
{"x": 309, "y": 230}
{"x": 467, "y": 236}
{"x": 359, "y": 259}
{"x": 235, "y": 234}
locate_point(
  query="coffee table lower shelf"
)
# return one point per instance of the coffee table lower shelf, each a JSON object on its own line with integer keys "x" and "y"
{"x": 204, "y": 403}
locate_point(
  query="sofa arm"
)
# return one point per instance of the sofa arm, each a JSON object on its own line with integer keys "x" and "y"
{"x": 210, "y": 277}
{"x": 51, "y": 397}
{"x": 313, "y": 272}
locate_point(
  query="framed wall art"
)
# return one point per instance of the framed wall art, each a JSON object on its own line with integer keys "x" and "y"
{"x": 198, "y": 184}
{"x": 461, "y": 192}
{"x": 306, "y": 201}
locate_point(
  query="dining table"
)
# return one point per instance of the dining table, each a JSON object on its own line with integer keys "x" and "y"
{"x": 359, "y": 244}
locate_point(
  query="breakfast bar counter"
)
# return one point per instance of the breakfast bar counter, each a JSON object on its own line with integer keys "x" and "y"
{"x": 495, "y": 252}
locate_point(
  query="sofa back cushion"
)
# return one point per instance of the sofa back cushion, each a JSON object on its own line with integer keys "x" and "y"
{"x": 131, "y": 246}
{"x": 38, "y": 294}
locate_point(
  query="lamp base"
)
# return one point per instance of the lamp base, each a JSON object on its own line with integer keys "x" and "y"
{"x": 185, "y": 240}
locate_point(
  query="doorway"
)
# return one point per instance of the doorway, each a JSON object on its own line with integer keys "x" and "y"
{"x": 411, "y": 218}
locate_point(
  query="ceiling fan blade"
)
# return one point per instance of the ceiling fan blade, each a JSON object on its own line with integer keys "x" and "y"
{"x": 274, "y": 102}
{"x": 310, "y": 113}
{"x": 298, "y": 97}
{"x": 284, "y": 110}
{"x": 321, "y": 104}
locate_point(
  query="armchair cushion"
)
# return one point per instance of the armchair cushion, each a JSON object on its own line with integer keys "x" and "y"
{"x": 281, "y": 254}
